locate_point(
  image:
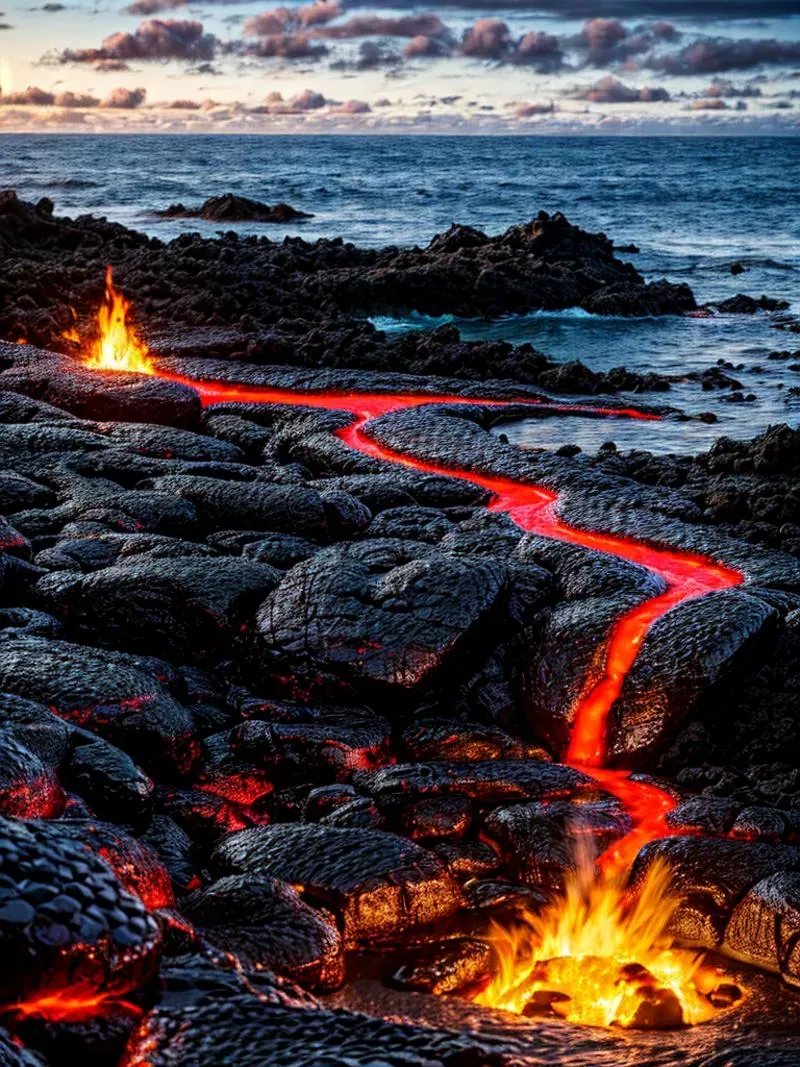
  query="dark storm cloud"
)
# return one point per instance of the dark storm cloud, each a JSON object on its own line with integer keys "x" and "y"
{"x": 154, "y": 39}
{"x": 722, "y": 87}
{"x": 716, "y": 55}
{"x": 612, "y": 91}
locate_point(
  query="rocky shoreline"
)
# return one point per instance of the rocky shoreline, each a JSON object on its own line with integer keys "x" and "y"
{"x": 271, "y": 707}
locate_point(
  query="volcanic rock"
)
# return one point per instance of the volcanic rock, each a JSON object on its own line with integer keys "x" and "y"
{"x": 265, "y": 923}
{"x": 186, "y": 608}
{"x": 712, "y": 876}
{"x": 447, "y": 968}
{"x": 65, "y": 920}
{"x": 232, "y": 208}
{"x": 487, "y": 781}
{"x": 380, "y": 615}
{"x": 377, "y": 883}
{"x": 765, "y": 925}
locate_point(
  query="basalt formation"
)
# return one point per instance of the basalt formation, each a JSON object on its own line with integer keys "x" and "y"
{"x": 308, "y": 682}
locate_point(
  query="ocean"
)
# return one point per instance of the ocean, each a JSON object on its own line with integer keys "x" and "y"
{"x": 693, "y": 206}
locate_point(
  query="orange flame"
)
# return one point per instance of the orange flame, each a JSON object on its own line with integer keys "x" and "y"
{"x": 72, "y": 1005}
{"x": 602, "y": 957}
{"x": 118, "y": 346}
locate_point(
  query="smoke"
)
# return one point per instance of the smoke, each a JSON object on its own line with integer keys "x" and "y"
{"x": 154, "y": 39}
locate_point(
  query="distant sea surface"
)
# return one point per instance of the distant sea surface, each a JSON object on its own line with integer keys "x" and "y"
{"x": 693, "y": 207}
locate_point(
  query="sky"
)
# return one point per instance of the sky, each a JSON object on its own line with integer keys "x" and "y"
{"x": 347, "y": 65}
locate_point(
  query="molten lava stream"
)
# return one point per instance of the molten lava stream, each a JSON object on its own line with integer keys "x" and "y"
{"x": 606, "y": 955}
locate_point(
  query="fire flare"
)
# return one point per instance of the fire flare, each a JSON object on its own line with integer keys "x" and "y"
{"x": 601, "y": 956}
{"x": 117, "y": 346}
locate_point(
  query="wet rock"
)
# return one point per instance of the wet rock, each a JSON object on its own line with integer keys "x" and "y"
{"x": 232, "y": 208}
{"x": 449, "y": 968}
{"x": 741, "y": 304}
{"x": 265, "y": 923}
{"x": 375, "y": 616}
{"x": 377, "y": 883}
{"x": 65, "y": 920}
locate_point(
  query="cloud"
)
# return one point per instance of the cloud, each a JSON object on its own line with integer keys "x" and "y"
{"x": 285, "y": 20}
{"x": 288, "y": 45}
{"x": 318, "y": 13}
{"x": 600, "y": 37}
{"x": 629, "y": 9}
{"x": 152, "y": 7}
{"x": 423, "y": 25}
{"x": 32, "y": 95}
{"x": 487, "y": 39}
{"x": 612, "y": 91}
{"x": 541, "y": 50}
{"x": 721, "y": 87}
{"x": 67, "y": 100}
{"x": 527, "y": 111}
{"x": 308, "y": 100}
{"x": 154, "y": 39}
{"x": 715, "y": 55}
{"x": 180, "y": 105}
{"x": 106, "y": 66}
{"x": 423, "y": 47}
{"x": 124, "y": 99}
{"x": 351, "y": 107}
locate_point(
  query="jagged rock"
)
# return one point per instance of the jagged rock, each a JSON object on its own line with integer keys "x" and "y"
{"x": 232, "y": 208}
{"x": 447, "y": 968}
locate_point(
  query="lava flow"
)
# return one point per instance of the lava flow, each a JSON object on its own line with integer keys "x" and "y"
{"x": 598, "y": 949}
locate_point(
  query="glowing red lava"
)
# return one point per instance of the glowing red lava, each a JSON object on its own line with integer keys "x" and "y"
{"x": 534, "y": 509}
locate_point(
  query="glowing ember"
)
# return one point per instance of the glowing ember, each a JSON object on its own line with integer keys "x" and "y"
{"x": 70, "y": 1005}
{"x": 117, "y": 347}
{"x": 600, "y": 957}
